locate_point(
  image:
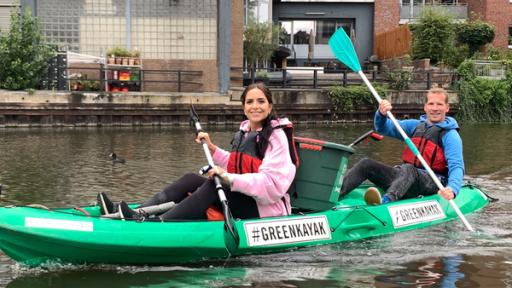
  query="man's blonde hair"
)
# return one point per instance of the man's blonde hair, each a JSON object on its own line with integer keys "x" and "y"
{"x": 438, "y": 91}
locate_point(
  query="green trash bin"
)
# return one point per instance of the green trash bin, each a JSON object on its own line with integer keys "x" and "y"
{"x": 319, "y": 178}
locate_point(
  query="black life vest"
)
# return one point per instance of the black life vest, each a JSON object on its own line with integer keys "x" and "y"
{"x": 245, "y": 156}
{"x": 429, "y": 144}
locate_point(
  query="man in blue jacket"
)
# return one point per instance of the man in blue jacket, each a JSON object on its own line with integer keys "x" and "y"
{"x": 436, "y": 137}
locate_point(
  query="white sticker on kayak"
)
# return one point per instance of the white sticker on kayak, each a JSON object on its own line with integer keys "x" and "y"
{"x": 58, "y": 224}
{"x": 409, "y": 214}
{"x": 284, "y": 231}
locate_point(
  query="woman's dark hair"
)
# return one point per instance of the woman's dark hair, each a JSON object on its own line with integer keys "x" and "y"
{"x": 267, "y": 129}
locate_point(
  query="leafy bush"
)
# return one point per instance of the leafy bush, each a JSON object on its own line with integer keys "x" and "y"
{"x": 466, "y": 70}
{"x": 346, "y": 99}
{"x": 475, "y": 34}
{"x": 432, "y": 35}
{"x": 483, "y": 100}
{"x": 398, "y": 80}
{"x": 455, "y": 55}
{"x": 23, "y": 53}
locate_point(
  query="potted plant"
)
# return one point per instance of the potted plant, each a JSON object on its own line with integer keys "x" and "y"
{"x": 119, "y": 53}
{"x": 111, "y": 59}
{"x": 135, "y": 56}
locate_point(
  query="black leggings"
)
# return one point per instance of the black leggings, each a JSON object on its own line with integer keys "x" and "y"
{"x": 403, "y": 181}
{"x": 203, "y": 196}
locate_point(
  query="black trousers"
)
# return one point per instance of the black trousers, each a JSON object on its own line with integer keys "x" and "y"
{"x": 402, "y": 181}
{"x": 203, "y": 196}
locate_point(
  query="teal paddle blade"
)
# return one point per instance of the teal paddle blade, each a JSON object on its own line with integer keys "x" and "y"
{"x": 342, "y": 47}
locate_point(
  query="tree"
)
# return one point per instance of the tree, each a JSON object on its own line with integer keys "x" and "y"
{"x": 24, "y": 54}
{"x": 475, "y": 34}
{"x": 432, "y": 36}
{"x": 260, "y": 40}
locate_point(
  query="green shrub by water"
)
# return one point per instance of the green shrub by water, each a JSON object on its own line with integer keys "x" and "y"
{"x": 24, "y": 54}
{"x": 483, "y": 100}
{"x": 347, "y": 99}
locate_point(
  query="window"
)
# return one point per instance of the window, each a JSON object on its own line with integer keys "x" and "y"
{"x": 285, "y": 35}
{"x": 325, "y": 29}
{"x": 298, "y": 31}
{"x": 301, "y": 31}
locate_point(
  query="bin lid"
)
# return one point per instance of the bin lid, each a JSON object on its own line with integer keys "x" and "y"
{"x": 323, "y": 143}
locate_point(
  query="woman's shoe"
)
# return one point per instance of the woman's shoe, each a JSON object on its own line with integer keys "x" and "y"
{"x": 106, "y": 206}
{"x": 125, "y": 212}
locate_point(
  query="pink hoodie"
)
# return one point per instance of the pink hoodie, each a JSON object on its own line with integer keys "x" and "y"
{"x": 275, "y": 175}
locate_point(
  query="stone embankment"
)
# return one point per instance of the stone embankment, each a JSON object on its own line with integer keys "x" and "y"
{"x": 51, "y": 108}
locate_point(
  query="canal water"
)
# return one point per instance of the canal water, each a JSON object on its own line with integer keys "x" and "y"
{"x": 69, "y": 166}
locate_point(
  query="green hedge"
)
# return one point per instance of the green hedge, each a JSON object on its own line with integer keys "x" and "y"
{"x": 483, "y": 100}
{"x": 347, "y": 99}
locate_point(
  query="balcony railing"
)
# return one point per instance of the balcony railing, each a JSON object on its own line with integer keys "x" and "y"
{"x": 408, "y": 13}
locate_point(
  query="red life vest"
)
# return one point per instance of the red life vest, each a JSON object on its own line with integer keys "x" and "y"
{"x": 429, "y": 144}
{"x": 245, "y": 156}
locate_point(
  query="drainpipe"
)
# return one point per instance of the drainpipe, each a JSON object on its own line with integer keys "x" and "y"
{"x": 224, "y": 44}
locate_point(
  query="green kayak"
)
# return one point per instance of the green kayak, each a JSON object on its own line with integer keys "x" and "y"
{"x": 35, "y": 235}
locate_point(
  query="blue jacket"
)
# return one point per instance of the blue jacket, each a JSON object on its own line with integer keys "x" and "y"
{"x": 452, "y": 143}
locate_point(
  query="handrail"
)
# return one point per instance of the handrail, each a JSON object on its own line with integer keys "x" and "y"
{"x": 181, "y": 75}
{"x": 293, "y": 77}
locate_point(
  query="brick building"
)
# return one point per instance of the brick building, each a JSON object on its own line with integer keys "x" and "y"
{"x": 363, "y": 19}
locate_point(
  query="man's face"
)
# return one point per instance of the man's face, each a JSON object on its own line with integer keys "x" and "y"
{"x": 436, "y": 107}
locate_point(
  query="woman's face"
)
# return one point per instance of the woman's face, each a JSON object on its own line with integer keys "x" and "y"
{"x": 256, "y": 108}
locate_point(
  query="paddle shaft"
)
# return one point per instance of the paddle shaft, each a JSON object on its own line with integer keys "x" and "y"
{"x": 413, "y": 148}
{"x": 216, "y": 179}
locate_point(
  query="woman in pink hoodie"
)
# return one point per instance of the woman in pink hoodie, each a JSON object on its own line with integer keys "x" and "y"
{"x": 256, "y": 173}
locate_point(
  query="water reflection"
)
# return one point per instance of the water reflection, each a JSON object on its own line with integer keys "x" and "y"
{"x": 447, "y": 271}
{"x": 68, "y": 166}
{"x": 450, "y": 271}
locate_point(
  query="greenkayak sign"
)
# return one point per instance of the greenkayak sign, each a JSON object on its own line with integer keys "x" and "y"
{"x": 287, "y": 231}
{"x": 415, "y": 213}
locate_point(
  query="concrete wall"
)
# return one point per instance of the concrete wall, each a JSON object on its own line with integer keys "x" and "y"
{"x": 46, "y": 108}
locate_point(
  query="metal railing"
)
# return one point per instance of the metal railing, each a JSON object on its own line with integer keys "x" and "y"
{"x": 319, "y": 77}
{"x": 458, "y": 11}
{"x": 87, "y": 78}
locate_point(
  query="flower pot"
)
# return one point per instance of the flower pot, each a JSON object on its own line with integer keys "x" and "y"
{"x": 125, "y": 61}
{"x": 131, "y": 61}
{"x": 119, "y": 60}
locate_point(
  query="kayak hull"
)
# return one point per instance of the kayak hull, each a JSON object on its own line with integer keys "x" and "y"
{"x": 36, "y": 236}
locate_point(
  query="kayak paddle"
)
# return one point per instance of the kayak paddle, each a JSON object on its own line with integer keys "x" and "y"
{"x": 233, "y": 239}
{"x": 344, "y": 51}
